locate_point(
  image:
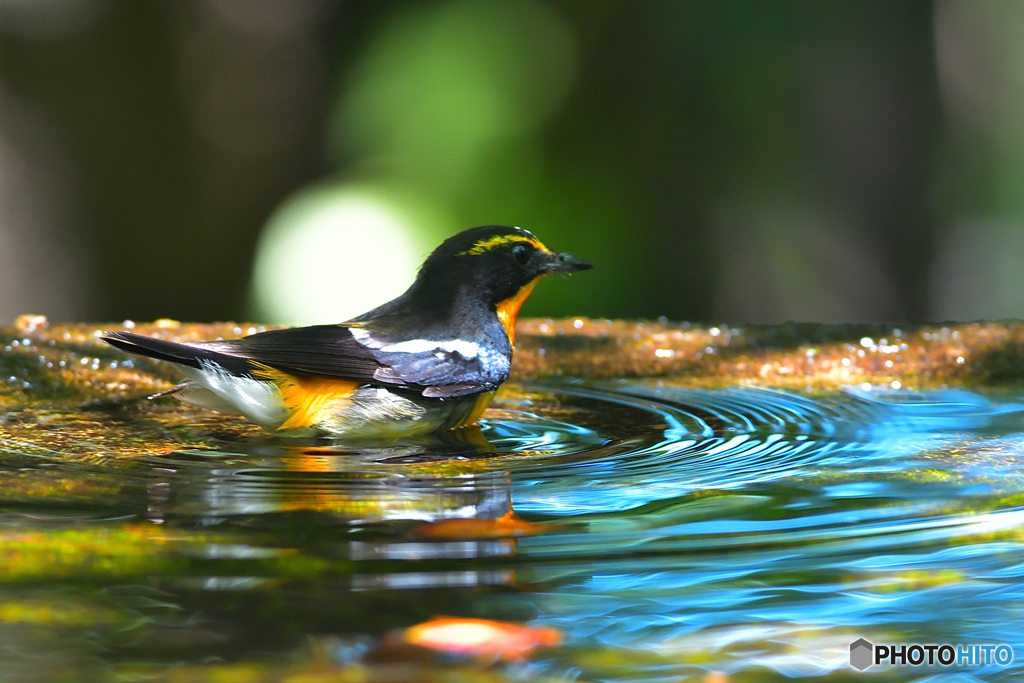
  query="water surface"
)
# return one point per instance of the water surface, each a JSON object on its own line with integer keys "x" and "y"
{"x": 666, "y": 532}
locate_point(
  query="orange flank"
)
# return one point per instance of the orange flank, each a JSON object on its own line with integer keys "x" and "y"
{"x": 508, "y": 310}
{"x": 309, "y": 400}
{"x": 482, "y": 637}
{"x": 502, "y": 527}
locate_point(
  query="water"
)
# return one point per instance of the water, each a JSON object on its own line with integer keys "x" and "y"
{"x": 665, "y": 532}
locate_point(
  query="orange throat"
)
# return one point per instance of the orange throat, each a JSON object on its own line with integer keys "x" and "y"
{"x": 508, "y": 310}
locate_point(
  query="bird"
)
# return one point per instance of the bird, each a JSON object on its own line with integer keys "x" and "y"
{"x": 427, "y": 361}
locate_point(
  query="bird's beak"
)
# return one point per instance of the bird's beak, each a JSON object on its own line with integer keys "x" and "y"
{"x": 566, "y": 263}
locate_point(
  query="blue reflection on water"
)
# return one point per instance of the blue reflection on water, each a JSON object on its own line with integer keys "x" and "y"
{"x": 894, "y": 516}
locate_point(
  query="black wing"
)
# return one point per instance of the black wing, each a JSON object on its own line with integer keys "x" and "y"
{"x": 327, "y": 351}
{"x": 442, "y": 373}
{"x": 320, "y": 350}
{"x": 335, "y": 351}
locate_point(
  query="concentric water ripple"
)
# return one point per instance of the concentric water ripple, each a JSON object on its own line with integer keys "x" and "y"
{"x": 737, "y": 438}
{"x": 566, "y": 451}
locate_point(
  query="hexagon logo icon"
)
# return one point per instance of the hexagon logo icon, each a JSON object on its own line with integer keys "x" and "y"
{"x": 861, "y": 654}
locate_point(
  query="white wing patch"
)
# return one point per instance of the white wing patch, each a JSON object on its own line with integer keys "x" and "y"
{"x": 466, "y": 349}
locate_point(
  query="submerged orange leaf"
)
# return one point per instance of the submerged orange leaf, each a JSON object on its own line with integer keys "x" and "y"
{"x": 482, "y": 637}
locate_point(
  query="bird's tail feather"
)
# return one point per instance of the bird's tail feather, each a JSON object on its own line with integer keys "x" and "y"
{"x": 190, "y": 355}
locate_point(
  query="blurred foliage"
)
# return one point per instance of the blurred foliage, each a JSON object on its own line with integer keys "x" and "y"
{"x": 742, "y": 160}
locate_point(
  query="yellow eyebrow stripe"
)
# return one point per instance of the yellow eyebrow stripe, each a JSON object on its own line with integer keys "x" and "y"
{"x": 499, "y": 240}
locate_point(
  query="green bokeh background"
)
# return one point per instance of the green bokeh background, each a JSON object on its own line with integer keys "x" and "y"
{"x": 741, "y": 160}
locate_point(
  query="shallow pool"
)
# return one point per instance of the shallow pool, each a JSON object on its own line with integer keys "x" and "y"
{"x": 667, "y": 533}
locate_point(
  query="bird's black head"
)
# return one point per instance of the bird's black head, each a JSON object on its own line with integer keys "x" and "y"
{"x": 494, "y": 266}
{"x": 496, "y": 262}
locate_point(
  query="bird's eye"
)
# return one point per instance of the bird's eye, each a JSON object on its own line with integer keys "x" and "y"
{"x": 522, "y": 253}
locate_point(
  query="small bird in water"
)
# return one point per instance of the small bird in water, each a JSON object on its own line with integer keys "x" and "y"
{"x": 427, "y": 361}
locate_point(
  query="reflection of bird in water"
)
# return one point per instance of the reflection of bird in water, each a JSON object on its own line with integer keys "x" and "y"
{"x": 451, "y": 449}
{"x": 416, "y": 479}
{"x": 427, "y": 361}
{"x": 444, "y": 486}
